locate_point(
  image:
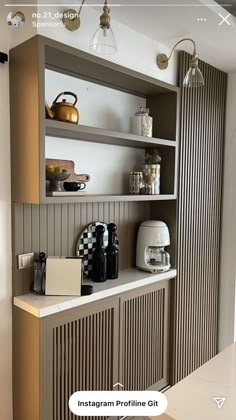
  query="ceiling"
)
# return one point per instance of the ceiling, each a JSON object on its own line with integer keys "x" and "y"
{"x": 167, "y": 21}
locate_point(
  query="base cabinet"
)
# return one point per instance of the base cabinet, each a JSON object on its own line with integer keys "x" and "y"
{"x": 84, "y": 353}
{"x": 121, "y": 339}
{"x": 144, "y": 338}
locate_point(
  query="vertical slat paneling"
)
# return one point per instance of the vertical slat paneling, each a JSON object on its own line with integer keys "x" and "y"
{"x": 27, "y": 221}
{"x": 58, "y": 229}
{"x": 35, "y": 233}
{"x": 143, "y": 332}
{"x": 50, "y": 230}
{"x": 55, "y": 229}
{"x": 199, "y": 206}
{"x": 43, "y": 227}
{"x": 71, "y": 370}
{"x": 64, "y": 229}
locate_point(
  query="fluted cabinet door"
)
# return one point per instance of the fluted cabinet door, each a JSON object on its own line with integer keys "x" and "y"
{"x": 83, "y": 355}
{"x": 144, "y": 338}
{"x": 195, "y": 292}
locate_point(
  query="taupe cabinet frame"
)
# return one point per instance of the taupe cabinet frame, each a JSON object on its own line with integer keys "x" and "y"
{"x": 49, "y": 360}
{"x": 29, "y": 127}
{"x": 83, "y": 349}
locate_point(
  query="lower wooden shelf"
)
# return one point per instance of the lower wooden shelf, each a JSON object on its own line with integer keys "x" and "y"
{"x": 101, "y": 198}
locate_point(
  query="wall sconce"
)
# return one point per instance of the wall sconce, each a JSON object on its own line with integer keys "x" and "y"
{"x": 194, "y": 77}
{"x": 71, "y": 18}
{"x": 103, "y": 41}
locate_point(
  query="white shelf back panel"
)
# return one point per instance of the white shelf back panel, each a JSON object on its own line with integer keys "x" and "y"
{"x": 108, "y": 165}
{"x": 99, "y": 106}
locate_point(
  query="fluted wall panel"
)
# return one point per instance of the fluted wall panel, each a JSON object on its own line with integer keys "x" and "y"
{"x": 54, "y": 228}
{"x": 195, "y": 294}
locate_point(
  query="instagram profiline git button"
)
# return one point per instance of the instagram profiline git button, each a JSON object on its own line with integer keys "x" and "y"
{"x": 118, "y": 403}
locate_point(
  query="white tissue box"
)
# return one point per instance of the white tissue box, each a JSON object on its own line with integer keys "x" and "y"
{"x": 63, "y": 276}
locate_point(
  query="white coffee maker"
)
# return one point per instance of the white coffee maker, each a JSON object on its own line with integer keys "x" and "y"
{"x": 153, "y": 237}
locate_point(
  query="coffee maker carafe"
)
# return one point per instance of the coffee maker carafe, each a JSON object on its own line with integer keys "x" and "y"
{"x": 153, "y": 237}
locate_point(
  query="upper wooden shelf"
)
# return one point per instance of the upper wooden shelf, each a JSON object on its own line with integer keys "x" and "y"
{"x": 99, "y": 135}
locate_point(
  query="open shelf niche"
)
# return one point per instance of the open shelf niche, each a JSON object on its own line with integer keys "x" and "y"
{"x": 28, "y": 139}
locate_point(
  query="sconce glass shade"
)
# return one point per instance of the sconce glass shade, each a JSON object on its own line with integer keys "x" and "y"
{"x": 194, "y": 77}
{"x": 104, "y": 42}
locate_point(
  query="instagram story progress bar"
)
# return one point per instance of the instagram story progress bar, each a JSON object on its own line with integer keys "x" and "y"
{"x": 135, "y": 3}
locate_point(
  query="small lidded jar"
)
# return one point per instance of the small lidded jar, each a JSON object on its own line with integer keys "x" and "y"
{"x": 141, "y": 123}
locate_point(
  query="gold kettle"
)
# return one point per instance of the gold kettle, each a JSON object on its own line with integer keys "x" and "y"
{"x": 63, "y": 111}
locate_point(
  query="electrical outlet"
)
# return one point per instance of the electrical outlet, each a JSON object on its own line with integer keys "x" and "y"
{"x": 25, "y": 260}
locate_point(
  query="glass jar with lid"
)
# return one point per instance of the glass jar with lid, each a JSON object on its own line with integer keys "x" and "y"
{"x": 141, "y": 123}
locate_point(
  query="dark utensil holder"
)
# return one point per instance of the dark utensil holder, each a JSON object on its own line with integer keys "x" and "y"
{"x": 39, "y": 277}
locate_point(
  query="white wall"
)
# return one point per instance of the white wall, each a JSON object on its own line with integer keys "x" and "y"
{"x": 227, "y": 319}
{"x": 99, "y": 106}
{"x": 135, "y": 51}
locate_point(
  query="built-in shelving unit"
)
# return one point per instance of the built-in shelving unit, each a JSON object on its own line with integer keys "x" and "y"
{"x": 36, "y": 55}
{"x": 45, "y": 348}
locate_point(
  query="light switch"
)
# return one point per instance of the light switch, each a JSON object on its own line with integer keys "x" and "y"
{"x": 25, "y": 260}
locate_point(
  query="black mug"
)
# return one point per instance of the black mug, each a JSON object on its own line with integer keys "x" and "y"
{"x": 74, "y": 186}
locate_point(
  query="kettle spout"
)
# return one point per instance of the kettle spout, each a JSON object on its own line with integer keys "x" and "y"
{"x": 48, "y": 112}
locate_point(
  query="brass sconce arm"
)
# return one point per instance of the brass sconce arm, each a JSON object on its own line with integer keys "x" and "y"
{"x": 71, "y": 18}
{"x": 163, "y": 60}
{"x": 81, "y": 6}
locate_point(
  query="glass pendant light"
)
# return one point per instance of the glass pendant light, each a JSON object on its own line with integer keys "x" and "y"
{"x": 194, "y": 77}
{"x": 103, "y": 41}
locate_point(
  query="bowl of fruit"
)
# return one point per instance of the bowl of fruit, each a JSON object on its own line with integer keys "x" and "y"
{"x": 56, "y": 175}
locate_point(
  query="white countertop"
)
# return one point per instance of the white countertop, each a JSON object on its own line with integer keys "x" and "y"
{"x": 41, "y": 306}
{"x": 192, "y": 398}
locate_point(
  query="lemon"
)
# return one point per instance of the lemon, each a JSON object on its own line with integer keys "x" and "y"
{"x": 50, "y": 168}
{"x": 58, "y": 169}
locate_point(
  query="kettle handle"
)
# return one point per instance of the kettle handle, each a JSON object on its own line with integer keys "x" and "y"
{"x": 66, "y": 93}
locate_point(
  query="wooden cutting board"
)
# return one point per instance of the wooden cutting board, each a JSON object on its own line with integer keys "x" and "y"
{"x": 70, "y": 166}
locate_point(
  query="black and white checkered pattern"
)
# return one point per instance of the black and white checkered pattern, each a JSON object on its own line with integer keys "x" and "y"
{"x": 87, "y": 243}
